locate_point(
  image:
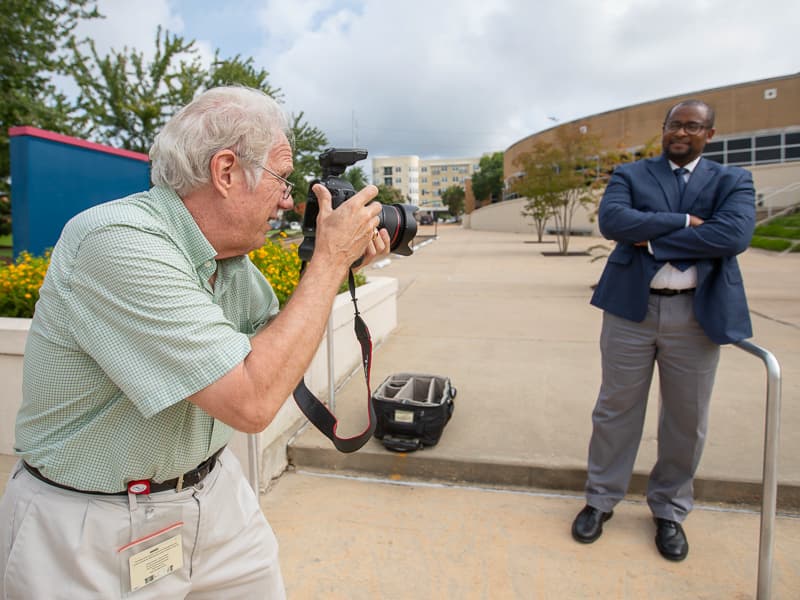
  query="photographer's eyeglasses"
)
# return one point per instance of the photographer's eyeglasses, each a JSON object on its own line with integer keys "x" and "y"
{"x": 287, "y": 192}
{"x": 692, "y": 127}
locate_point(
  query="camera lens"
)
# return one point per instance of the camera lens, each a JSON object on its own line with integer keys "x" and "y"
{"x": 399, "y": 221}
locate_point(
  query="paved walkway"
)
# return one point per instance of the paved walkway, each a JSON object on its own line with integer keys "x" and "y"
{"x": 515, "y": 333}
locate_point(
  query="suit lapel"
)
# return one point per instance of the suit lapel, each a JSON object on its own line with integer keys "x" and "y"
{"x": 659, "y": 168}
{"x": 702, "y": 174}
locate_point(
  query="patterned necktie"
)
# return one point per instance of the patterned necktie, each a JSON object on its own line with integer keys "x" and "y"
{"x": 680, "y": 173}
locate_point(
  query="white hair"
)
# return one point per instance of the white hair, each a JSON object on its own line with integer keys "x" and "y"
{"x": 241, "y": 119}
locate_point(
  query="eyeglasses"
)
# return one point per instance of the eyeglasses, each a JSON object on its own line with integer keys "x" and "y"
{"x": 287, "y": 192}
{"x": 692, "y": 127}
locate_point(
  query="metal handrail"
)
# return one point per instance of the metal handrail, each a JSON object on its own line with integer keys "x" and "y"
{"x": 769, "y": 494}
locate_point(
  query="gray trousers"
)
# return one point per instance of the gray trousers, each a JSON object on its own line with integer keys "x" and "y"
{"x": 687, "y": 362}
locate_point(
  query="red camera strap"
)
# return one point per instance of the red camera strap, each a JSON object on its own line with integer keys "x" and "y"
{"x": 319, "y": 415}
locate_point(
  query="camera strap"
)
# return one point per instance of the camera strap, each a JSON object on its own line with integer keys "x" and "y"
{"x": 319, "y": 415}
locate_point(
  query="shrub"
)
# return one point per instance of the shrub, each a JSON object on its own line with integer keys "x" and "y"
{"x": 20, "y": 282}
{"x": 281, "y": 266}
{"x": 774, "y": 244}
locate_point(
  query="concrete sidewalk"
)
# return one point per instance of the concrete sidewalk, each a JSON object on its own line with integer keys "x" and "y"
{"x": 343, "y": 538}
{"x": 514, "y": 331}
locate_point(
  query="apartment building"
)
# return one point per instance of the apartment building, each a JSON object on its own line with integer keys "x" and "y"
{"x": 423, "y": 180}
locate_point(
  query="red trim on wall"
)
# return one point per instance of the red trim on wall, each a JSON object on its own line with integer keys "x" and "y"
{"x": 72, "y": 141}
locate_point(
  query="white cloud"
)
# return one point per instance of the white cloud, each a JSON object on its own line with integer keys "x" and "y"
{"x": 463, "y": 77}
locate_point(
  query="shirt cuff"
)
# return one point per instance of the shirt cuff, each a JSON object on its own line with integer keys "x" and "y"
{"x": 650, "y": 248}
{"x": 688, "y": 219}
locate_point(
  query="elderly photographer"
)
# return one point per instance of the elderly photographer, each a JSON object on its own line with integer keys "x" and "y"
{"x": 153, "y": 340}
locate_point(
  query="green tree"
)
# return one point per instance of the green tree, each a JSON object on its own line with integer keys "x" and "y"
{"x": 539, "y": 208}
{"x": 487, "y": 181}
{"x": 32, "y": 35}
{"x": 564, "y": 175}
{"x": 125, "y": 100}
{"x": 389, "y": 195}
{"x": 453, "y": 198}
{"x": 357, "y": 177}
{"x": 308, "y": 143}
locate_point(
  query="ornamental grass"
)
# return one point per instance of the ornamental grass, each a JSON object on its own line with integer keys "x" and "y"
{"x": 20, "y": 281}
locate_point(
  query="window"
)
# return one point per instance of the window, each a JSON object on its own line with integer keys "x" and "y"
{"x": 768, "y": 155}
{"x": 398, "y": 169}
{"x": 424, "y": 169}
{"x": 387, "y": 171}
{"x": 739, "y": 158}
{"x": 714, "y": 147}
{"x": 740, "y": 144}
{"x": 767, "y": 141}
{"x": 397, "y": 180}
{"x": 792, "y": 138}
{"x": 444, "y": 168}
{"x": 387, "y": 181}
{"x": 424, "y": 180}
{"x": 444, "y": 179}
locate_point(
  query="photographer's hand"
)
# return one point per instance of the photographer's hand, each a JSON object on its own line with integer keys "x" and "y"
{"x": 346, "y": 234}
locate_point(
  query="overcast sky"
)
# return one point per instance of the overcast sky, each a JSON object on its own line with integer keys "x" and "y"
{"x": 458, "y": 78}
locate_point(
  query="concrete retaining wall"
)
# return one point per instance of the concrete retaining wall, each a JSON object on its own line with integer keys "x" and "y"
{"x": 377, "y": 302}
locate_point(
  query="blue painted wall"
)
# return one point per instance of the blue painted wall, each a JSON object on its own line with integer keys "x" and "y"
{"x": 54, "y": 177}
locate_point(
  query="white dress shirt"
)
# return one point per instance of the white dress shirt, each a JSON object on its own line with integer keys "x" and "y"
{"x": 669, "y": 277}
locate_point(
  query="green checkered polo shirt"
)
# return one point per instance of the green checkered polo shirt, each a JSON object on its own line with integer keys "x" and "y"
{"x": 126, "y": 327}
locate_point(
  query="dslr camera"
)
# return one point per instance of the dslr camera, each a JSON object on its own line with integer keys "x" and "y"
{"x": 397, "y": 219}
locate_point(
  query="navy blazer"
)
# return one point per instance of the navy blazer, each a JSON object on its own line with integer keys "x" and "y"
{"x": 642, "y": 203}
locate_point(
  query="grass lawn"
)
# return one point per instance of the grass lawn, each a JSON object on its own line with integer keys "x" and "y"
{"x": 780, "y": 234}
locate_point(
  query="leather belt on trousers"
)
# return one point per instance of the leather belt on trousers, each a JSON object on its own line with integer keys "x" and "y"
{"x": 188, "y": 479}
{"x": 669, "y": 292}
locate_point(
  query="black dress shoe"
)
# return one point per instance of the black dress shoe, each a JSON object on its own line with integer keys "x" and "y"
{"x": 588, "y": 525}
{"x": 671, "y": 540}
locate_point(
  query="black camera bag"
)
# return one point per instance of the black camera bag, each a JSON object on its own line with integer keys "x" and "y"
{"x": 412, "y": 409}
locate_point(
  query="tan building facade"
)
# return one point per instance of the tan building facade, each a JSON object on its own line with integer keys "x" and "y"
{"x": 423, "y": 180}
{"x": 757, "y": 127}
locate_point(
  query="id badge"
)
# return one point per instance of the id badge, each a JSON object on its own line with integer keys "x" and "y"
{"x": 151, "y": 546}
{"x": 153, "y": 556}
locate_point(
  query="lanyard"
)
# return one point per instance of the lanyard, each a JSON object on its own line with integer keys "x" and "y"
{"x": 319, "y": 415}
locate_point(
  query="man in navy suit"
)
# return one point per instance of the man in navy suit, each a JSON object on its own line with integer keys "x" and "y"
{"x": 671, "y": 293}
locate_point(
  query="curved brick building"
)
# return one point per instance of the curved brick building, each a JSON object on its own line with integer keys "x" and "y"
{"x": 757, "y": 127}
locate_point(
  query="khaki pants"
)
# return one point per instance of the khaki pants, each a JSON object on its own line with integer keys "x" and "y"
{"x": 58, "y": 544}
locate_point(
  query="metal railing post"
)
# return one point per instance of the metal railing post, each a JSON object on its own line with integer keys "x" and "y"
{"x": 331, "y": 377}
{"x": 769, "y": 494}
{"x": 252, "y": 461}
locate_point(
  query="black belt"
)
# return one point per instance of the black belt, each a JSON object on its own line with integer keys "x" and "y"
{"x": 188, "y": 479}
{"x": 669, "y": 292}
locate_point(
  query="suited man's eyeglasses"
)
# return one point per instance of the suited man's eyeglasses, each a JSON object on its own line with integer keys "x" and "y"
{"x": 692, "y": 127}
{"x": 287, "y": 191}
